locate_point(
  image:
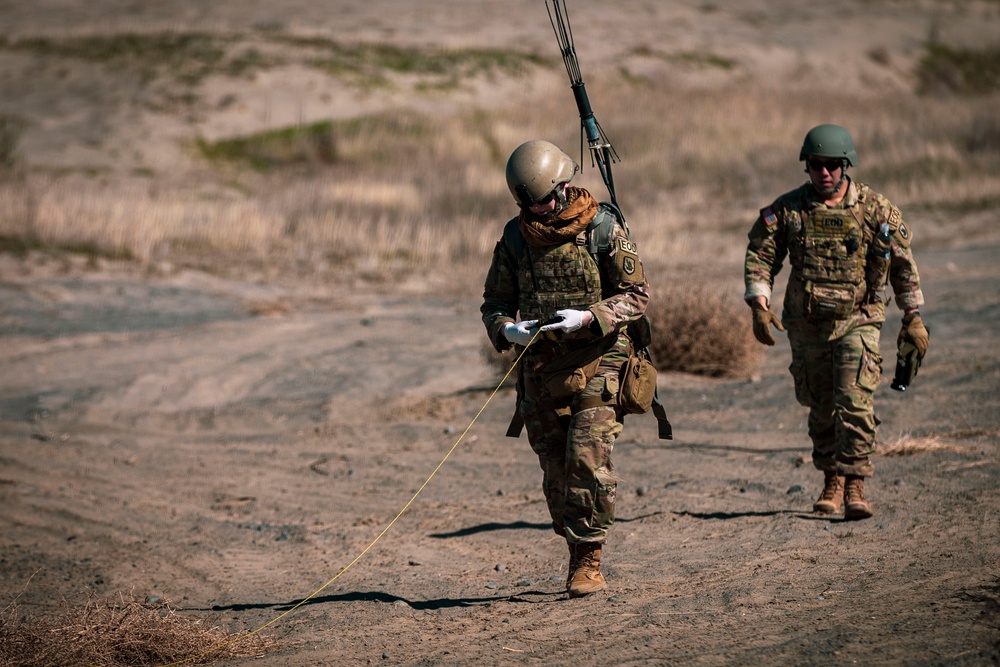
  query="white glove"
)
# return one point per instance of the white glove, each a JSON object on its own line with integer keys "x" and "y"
{"x": 572, "y": 320}
{"x": 520, "y": 333}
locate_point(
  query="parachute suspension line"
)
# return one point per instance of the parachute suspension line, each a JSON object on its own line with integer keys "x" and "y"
{"x": 564, "y": 35}
{"x": 602, "y": 153}
{"x": 233, "y": 640}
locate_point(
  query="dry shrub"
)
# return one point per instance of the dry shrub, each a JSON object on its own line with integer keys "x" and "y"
{"x": 420, "y": 408}
{"x": 907, "y": 445}
{"x": 117, "y": 632}
{"x": 702, "y": 329}
{"x": 269, "y": 308}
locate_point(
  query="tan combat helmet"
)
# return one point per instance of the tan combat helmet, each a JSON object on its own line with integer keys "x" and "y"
{"x": 534, "y": 170}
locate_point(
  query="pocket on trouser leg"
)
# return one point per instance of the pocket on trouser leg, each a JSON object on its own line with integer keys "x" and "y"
{"x": 605, "y": 495}
{"x": 870, "y": 368}
{"x": 801, "y": 379}
{"x": 590, "y": 510}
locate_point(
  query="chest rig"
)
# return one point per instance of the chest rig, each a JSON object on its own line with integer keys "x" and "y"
{"x": 563, "y": 276}
{"x": 830, "y": 260}
{"x": 557, "y": 277}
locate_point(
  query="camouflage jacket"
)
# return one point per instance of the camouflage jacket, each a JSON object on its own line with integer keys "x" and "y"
{"x": 792, "y": 227}
{"x": 623, "y": 291}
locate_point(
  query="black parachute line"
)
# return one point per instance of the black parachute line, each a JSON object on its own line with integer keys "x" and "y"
{"x": 602, "y": 153}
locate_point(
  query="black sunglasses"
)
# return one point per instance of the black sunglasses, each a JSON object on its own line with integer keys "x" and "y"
{"x": 544, "y": 201}
{"x": 819, "y": 165}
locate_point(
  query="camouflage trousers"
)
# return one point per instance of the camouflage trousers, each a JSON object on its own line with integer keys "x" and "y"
{"x": 573, "y": 438}
{"x": 836, "y": 379}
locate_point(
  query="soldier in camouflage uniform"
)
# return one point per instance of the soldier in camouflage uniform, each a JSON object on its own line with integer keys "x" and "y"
{"x": 554, "y": 287}
{"x": 844, "y": 242}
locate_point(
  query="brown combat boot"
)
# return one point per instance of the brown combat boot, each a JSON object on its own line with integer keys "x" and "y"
{"x": 586, "y": 577}
{"x": 833, "y": 493}
{"x": 572, "y": 564}
{"x": 854, "y": 497}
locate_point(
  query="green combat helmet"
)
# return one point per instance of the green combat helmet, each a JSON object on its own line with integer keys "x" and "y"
{"x": 830, "y": 141}
{"x": 535, "y": 168}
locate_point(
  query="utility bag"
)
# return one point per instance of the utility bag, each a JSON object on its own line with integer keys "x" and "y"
{"x": 829, "y": 301}
{"x": 569, "y": 375}
{"x": 637, "y": 384}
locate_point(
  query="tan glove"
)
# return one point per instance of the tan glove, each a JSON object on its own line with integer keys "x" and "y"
{"x": 914, "y": 332}
{"x": 763, "y": 318}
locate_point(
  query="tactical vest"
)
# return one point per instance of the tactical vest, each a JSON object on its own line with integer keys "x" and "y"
{"x": 562, "y": 276}
{"x": 568, "y": 276}
{"x": 830, "y": 259}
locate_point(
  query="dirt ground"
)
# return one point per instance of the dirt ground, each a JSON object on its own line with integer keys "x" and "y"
{"x": 231, "y": 447}
{"x": 157, "y": 437}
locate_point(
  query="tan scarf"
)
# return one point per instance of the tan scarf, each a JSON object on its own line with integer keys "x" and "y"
{"x": 581, "y": 207}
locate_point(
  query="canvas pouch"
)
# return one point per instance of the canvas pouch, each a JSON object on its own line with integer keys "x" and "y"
{"x": 637, "y": 385}
{"x": 562, "y": 379}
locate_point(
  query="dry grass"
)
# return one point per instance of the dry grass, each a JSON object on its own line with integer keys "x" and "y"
{"x": 421, "y": 201}
{"x": 421, "y": 408}
{"x": 269, "y": 308}
{"x": 403, "y": 192}
{"x": 908, "y": 445}
{"x": 405, "y": 198}
{"x": 118, "y": 632}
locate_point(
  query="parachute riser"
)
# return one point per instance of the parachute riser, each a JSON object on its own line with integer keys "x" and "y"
{"x": 602, "y": 152}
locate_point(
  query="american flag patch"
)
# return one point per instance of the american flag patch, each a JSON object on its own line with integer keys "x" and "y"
{"x": 768, "y": 216}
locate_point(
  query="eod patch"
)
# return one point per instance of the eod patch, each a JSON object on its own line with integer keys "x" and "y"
{"x": 628, "y": 259}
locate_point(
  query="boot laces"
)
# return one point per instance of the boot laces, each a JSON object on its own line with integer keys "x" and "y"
{"x": 831, "y": 488}
{"x": 587, "y": 558}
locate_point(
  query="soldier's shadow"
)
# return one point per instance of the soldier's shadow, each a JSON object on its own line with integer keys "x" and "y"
{"x": 799, "y": 514}
{"x": 524, "y": 596}
{"x": 519, "y": 525}
{"x": 709, "y": 448}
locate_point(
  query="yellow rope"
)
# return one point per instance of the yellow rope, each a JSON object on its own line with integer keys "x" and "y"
{"x": 384, "y": 530}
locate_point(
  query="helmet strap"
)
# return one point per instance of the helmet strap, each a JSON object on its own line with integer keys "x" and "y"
{"x": 522, "y": 195}
{"x": 560, "y": 195}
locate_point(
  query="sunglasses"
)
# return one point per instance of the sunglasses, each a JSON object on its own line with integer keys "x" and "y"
{"x": 544, "y": 201}
{"x": 819, "y": 165}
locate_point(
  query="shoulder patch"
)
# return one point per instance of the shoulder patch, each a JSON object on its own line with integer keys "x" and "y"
{"x": 626, "y": 261}
{"x": 768, "y": 216}
{"x": 894, "y": 218}
{"x": 903, "y": 231}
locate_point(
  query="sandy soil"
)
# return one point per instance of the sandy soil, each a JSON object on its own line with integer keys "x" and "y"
{"x": 157, "y": 437}
{"x": 230, "y": 447}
